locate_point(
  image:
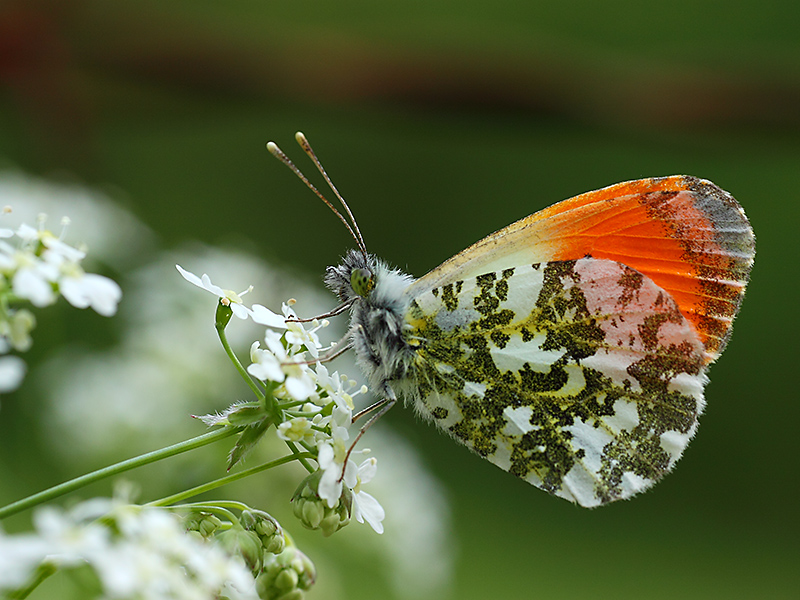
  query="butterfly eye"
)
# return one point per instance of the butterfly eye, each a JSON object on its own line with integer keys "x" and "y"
{"x": 362, "y": 281}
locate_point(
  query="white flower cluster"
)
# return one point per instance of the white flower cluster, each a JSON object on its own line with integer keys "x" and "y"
{"x": 324, "y": 412}
{"x": 136, "y": 552}
{"x": 37, "y": 267}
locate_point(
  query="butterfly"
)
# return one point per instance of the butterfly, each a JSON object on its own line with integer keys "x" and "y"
{"x": 569, "y": 348}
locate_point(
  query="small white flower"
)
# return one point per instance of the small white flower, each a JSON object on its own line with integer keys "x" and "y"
{"x": 275, "y": 364}
{"x": 45, "y": 266}
{"x": 334, "y": 386}
{"x": 297, "y": 429}
{"x": 365, "y": 506}
{"x": 331, "y": 457}
{"x": 265, "y": 365}
{"x": 62, "y": 249}
{"x": 298, "y": 336}
{"x": 228, "y": 297}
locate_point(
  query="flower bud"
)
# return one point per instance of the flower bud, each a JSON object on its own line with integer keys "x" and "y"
{"x": 286, "y": 576}
{"x": 208, "y": 524}
{"x": 244, "y": 543}
{"x": 224, "y": 313}
{"x": 266, "y": 527}
{"x": 314, "y": 512}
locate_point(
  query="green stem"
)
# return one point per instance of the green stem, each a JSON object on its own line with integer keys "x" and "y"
{"x": 235, "y": 360}
{"x": 44, "y": 571}
{"x": 211, "y": 485}
{"x": 303, "y": 461}
{"x": 226, "y": 504}
{"x": 264, "y": 396}
{"x": 120, "y": 467}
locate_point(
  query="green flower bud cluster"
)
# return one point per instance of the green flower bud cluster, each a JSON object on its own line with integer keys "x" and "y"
{"x": 202, "y": 524}
{"x": 246, "y": 544}
{"x": 286, "y": 576}
{"x": 257, "y": 536}
{"x": 267, "y": 528}
{"x": 314, "y": 512}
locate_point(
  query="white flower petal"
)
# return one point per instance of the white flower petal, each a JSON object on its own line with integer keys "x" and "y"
{"x": 30, "y": 285}
{"x": 101, "y": 293}
{"x": 330, "y": 488}
{"x": 273, "y": 341}
{"x": 203, "y": 282}
{"x": 190, "y": 277}
{"x": 264, "y": 316}
{"x": 240, "y": 310}
{"x": 367, "y": 470}
{"x": 208, "y": 286}
{"x": 367, "y": 508}
{"x": 300, "y": 388}
{"x": 27, "y": 233}
{"x": 266, "y": 367}
{"x": 63, "y": 249}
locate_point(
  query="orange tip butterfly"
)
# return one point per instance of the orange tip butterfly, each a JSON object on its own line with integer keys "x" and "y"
{"x": 569, "y": 348}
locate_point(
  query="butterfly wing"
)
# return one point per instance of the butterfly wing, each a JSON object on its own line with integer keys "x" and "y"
{"x": 581, "y": 377}
{"x": 686, "y": 234}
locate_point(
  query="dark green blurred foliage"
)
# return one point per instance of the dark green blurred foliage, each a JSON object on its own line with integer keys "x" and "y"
{"x": 441, "y": 122}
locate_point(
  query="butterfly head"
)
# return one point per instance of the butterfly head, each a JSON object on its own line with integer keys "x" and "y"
{"x": 354, "y": 277}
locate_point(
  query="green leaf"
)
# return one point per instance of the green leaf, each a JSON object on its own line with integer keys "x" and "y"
{"x": 247, "y": 441}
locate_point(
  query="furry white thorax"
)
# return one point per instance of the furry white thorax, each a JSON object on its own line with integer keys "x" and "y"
{"x": 376, "y": 320}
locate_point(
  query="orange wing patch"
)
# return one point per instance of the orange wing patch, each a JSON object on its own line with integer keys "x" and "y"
{"x": 686, "y": 234}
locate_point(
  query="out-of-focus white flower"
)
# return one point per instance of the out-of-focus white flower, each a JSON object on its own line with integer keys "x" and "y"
{"x": 136, "y": 552}
{"x": 97, "y": 222}
{"x": 31, "y": 283}
{"x": 37, "y": 267}
{"x": 15, "y": 331}
{"x": 12, "y": 372}
{"x": 416, "y": 509}
{"x": 90, "y": 290}
{"x": 43, "y": 266}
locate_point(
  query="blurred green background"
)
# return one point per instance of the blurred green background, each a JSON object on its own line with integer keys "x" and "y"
{"x": 441, "y": 122}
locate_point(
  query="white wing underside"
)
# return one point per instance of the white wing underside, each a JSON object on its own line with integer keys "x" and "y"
{"x": 581, "y": 377}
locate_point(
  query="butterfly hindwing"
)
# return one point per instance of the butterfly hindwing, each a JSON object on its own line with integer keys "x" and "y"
{"x": 581, "y": 377}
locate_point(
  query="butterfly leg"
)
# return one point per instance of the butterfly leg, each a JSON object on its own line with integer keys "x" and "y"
{"x": 367, "y": 410}
{"x": 339, "y": 348}
{"x": 335, "y": 312}
{"x": 382, "y": 406}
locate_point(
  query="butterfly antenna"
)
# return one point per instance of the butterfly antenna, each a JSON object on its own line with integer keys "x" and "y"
{"x": 279, "y": 154}
{"x": 301, "y": 139}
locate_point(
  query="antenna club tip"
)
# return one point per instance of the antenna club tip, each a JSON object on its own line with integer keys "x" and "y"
{"x": 300, "y": 137}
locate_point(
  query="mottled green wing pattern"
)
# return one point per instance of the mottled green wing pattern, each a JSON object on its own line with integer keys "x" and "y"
{"x": 581, "y": 377}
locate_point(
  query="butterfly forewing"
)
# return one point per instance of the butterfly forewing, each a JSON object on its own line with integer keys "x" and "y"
{"x": 581, "y": 377}
{"x": 686, "y": 234}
